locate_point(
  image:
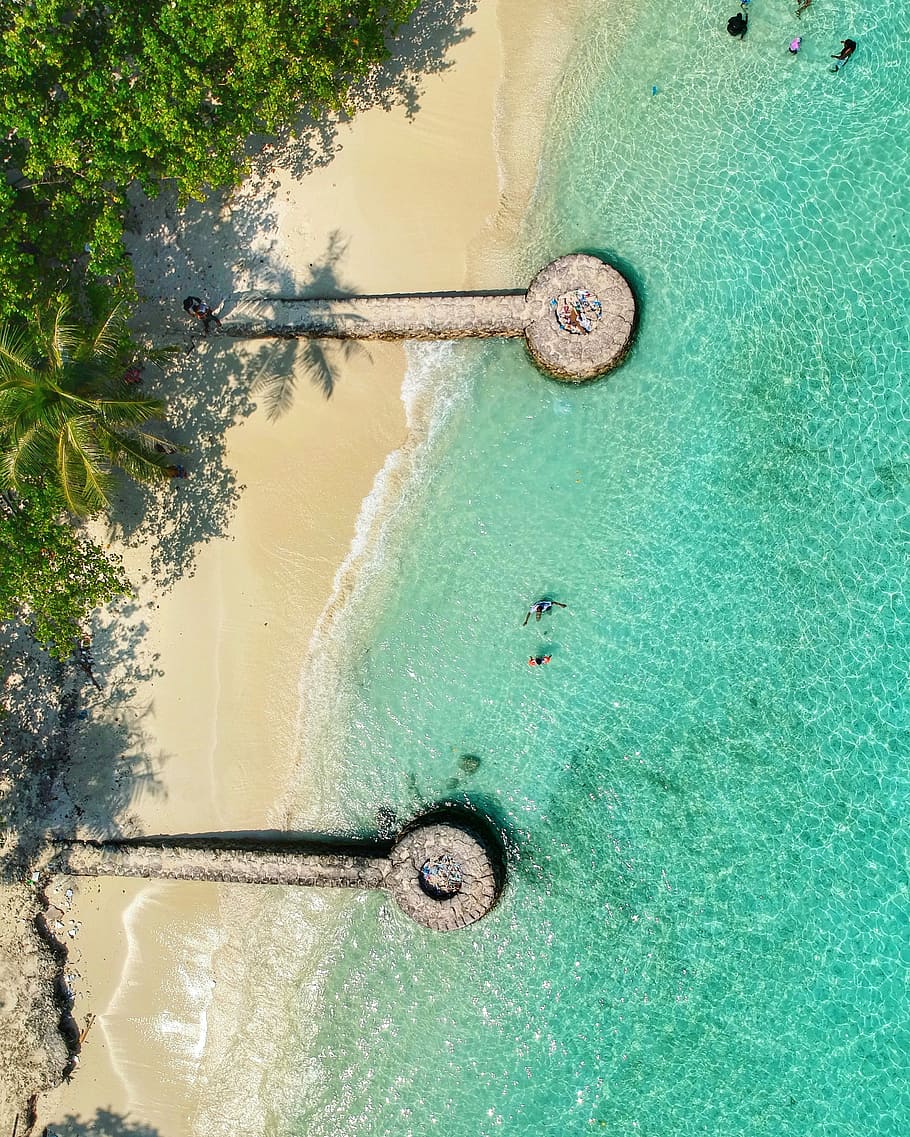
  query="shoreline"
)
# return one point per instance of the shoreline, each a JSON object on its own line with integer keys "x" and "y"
{"x": 209, "y": 769}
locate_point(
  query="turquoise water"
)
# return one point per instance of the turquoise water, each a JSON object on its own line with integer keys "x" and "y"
{"x": 705, "y": 793}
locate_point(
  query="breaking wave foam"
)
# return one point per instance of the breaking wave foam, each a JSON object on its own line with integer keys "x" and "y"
{"x": 436, "y": 386}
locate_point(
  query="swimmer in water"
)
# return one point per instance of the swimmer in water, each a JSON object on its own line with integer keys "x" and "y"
{"x": 738, "y": 25}
{"x": 539, "y": 660}
{"x": 540, "y": 608}
{"x": 847, "y": 49}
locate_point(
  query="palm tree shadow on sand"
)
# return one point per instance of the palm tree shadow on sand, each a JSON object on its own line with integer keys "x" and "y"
{"x": 204, "y": 403}
{"x": 207, "y": 393}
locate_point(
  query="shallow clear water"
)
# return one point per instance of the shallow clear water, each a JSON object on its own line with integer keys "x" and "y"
{"x": 704, "y": 929}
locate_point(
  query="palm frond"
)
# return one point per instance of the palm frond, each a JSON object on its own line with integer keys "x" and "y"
{"x": 15, "y": 355}
{"x": 20, "y": 407}
{"x": 105, "y": 338}
{"x": 65, "y": 414}
{"x": 84, "y": 477}
{"x": 28, "y": 455}
{"x": 82, "y": 434}
{"x": 160, "y": 355}
{"x": 136, "y": 454}
{"x": 61, "y": 338}
{"x": 127, "y": 411}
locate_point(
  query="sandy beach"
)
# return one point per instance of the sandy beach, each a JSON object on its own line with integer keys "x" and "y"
{"x": 234, "y": 565}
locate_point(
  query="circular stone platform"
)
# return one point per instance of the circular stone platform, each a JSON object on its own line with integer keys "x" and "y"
{"x": 445, "y": 873}
{"x": 580, "y": 314}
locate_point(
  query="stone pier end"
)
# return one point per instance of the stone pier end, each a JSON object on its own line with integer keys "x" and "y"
{"x": 577, "y": 317}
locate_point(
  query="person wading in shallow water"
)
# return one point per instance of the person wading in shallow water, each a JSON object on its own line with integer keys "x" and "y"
{"x": 847, "y": 49}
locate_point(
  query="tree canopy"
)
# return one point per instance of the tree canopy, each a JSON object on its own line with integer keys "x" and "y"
{"x": 54, "y": 576}
{"x": 67, "y": 415}
{"x": 96, "y": 95}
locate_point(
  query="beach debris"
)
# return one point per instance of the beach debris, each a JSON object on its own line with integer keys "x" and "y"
{"x": 577, "y": 311}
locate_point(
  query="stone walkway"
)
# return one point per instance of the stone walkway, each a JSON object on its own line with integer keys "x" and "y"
{"x": 570, "y": 355}
{"x": 239, "y": 864}
{"x": 398, "y": 869}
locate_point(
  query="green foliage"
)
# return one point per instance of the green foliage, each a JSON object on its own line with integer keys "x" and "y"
{"x": 66, "y": 415}
{"x": 52, "y": 576}
{"x": 95, "y": 96}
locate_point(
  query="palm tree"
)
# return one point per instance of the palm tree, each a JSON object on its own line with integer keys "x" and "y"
{"x": 66, "y": 415}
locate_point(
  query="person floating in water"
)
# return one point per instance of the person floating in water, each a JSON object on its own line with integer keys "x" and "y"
{"x": 539, "y": 660}
{"x": 540, "y": 608}
{"x": 847, "y": 49}
{"x": 194, "y": 306}
{"x": 803, "y": 5}
{"x": 795, "y": 45}
{"x": 738, "y": 24}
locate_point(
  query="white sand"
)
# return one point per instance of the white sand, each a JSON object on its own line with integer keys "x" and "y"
{"x": 207, "y": 690}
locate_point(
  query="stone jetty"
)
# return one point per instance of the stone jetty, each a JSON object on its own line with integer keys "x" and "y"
{"x": 445, "y": 871}
{"x": 577, "y": 317}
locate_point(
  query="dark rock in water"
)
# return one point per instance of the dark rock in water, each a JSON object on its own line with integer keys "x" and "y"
{"x": 469, "y": 763}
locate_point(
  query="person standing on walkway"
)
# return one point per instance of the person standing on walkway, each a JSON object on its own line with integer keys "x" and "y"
{"x": 194, "y": 306}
